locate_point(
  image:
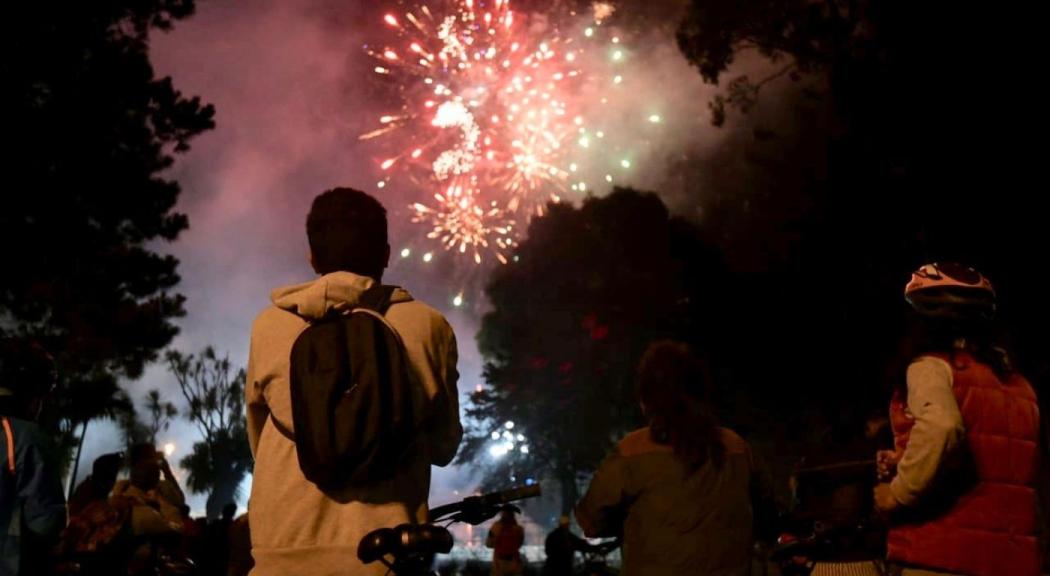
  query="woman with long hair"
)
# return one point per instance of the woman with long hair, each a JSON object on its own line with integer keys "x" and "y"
{"x": 678, "y": 491}
{"x": 959, "y": 486}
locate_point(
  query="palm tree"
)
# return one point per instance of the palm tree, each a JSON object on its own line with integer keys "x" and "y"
{"x": 215, "y": 402}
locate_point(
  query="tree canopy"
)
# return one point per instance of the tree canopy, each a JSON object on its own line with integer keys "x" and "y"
{"x": 91, "y": 131}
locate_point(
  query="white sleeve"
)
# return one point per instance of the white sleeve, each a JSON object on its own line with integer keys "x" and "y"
{"x": 937, "y": 432}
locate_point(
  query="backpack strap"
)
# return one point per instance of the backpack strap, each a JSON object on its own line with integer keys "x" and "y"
{"x": 10, "y": 445}
{"x": 377, "y": 298}
{"x": 281, "y": 429}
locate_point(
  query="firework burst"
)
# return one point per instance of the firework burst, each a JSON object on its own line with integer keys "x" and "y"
{"x": 494, "y": 113}
{"x": 461, "y": 222}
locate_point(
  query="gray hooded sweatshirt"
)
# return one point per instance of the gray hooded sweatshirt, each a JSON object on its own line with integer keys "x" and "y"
{"x": 295, "y": 527}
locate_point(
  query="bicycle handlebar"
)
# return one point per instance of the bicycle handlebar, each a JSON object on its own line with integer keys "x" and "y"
{"x": 477, "y": 509}
{"x": 410, "y": 543}
{"x": 404, "y": 540}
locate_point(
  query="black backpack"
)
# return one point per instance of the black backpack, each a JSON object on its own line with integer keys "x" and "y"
{"x": 355, "y": 406}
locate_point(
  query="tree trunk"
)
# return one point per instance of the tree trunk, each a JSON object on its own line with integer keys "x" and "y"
{"x": 222, "y": 493}
{"x": 76, "y": 461}
{"x": 569, "y": 493}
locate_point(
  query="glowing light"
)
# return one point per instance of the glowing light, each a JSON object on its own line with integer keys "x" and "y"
{"x": 509, "y": 425}
{"x": 381, "y": 184}
{"x": 525, "y": 449}
{"x": 458, "y": 300}
{"x": 617, "y": 55}
{"x": 169, "y": 449}
{"x": 406, "y": 252}
{"x": 495, "y": 435}
{"x": 617, "y": 79}
{"x": 387, "y": 163}
{"x": 428, "y": 257}
{"x": 390, "y": 19}
{"x": 588, "y": 32}
{"x": 625, "y": 163}
{"x": 654, "y": 118}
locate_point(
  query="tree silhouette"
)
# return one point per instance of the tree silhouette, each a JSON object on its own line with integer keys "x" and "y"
{"x": 90, "y": 133}
{"x": 133, "y": 429}
{"x": 214, "y": 397}
{"x": 160, "y": 414}
{"x": 589, "y": 289}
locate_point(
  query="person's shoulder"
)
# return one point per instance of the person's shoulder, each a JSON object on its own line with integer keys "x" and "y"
{"x": 418, "y": 312}
{"x": 27, "y": 433}
{"x": 929, "y": 369}
{"x": 275, "y": 323}
{"x": 271, "y": 315}
{"x": 26, "y": 427}
{"x": 640, "y": 442}
{"x": 734, "y": 443}
{"x": 931, "y": 362}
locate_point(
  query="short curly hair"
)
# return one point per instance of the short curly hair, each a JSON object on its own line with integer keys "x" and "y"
{"x": 347, "y": 230}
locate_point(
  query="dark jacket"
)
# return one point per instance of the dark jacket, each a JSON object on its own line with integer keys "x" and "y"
{"x": 32, "y": 506}
{"x": 561, "y": 547}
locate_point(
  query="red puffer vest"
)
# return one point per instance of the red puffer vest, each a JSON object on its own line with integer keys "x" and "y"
{"x": 990, "y": 528}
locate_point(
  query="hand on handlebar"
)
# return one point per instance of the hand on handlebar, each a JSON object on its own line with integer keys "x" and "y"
{"x": 886, "y": 464}
{"x": 885, "y": 501}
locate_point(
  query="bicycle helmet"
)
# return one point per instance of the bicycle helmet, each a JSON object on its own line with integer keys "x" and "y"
{"x": 951, "y": 291}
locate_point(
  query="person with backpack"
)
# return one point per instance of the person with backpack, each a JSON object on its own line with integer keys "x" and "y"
{"x": 959, "y": 487}
{"x": 351, "y": 397}
{"x": 506, "y": 538}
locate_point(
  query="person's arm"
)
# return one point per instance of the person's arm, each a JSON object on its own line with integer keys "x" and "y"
{"x": 490, "y": 540}
{"x": 254, "y": 402}
{"x": 169, "y": 512}
{"x": 578, "y": 544}
{"x": 937, "y": 431}
{"x": 44, "y": 511}
{"x": 149, "y": 521}
{"x": 169, "y": 488}
{"x": 602, "y": 511}
{"x": 446, "y": 431}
